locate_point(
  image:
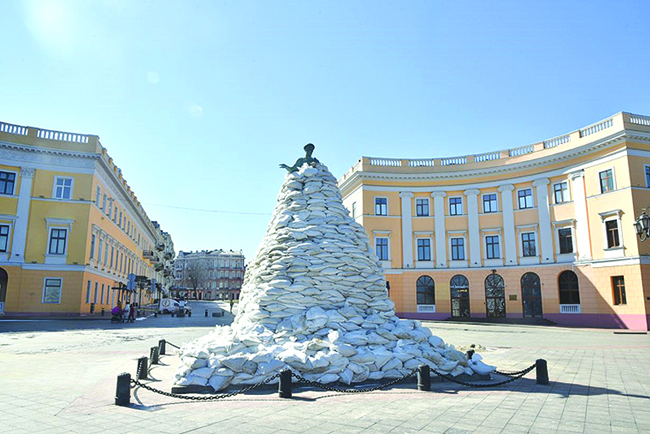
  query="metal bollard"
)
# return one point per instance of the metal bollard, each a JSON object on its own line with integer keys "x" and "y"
{"x": 469, "y": 354}
{"x": 143, "y": 367}
{"x": 424, "y": 377}
{"x": 206, "y": 313}
{"x": 103, "y": 311}
{"x": 123, "y": 390}
{"x": 284, "y": 386}
{"x": 161, "y": 347}
{"x": 153, "y": 355}
{"x": 541, "y": 369}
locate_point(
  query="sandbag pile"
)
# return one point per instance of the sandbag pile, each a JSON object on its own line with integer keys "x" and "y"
{"x": 314, "y": 299}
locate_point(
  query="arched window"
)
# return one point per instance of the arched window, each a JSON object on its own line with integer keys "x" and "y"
{"x": 459, "y": 287}
{"x": 569, "y": 291}
{"x": 426, "y": 290}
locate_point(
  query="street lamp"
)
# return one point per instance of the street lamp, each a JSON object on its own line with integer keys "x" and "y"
{"x": 642, "y": 226}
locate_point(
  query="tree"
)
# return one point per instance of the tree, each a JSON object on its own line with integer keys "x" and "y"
{"x": 196, "y": 273}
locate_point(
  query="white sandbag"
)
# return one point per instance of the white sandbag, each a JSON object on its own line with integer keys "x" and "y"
{"x": 219, "y": 382}
{"x": 203, "y": 372}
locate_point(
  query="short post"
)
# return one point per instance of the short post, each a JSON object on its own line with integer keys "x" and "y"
{"x": 284, "y": 386}
{"x": 143, "y": 367}
{"x": 123, "y": 390}
{"x": 424, "y": 378}
{"x": 470, "y": 353}
{"x": 153, "y": 355}
{"x": 103, "y": 311}
{"x": 161, "y": 347}
{"x": 206, "y": 313}
{"x": 541, "y": 369}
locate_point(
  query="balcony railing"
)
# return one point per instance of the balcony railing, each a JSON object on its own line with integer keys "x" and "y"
{"x": 422, "y": 162}
{"x": 522, "y": 150}
{"x": 453, "y": 161}
{"x": 13, "y": 129}
{"x": 555, "y": 141}
{"x": 390, "y": 162}
{"x": 593, "y": 129}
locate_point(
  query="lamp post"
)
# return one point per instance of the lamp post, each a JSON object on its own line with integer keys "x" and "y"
{"x": 642, "y": 226}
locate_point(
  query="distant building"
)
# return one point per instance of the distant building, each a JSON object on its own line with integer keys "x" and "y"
{"x": 209, "y": 274}
{"x": 539, "y": 231}
{"x": 71, "y": 228}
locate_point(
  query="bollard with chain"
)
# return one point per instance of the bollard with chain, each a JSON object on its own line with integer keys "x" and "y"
{"x": 143, "y": 367}
{"x": 161, "y": 347}
{"x": 284, "y": 385}
{"x": 541, "y": 369}
{"x": 424, "y": 378}
{"x": 206, "y": 313}
{"x": 123, "y": 390}
{"x": 153, "y": 355}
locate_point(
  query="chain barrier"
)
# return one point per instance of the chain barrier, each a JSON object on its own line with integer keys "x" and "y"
{"x": 510, "y": 374}
{"x": 172, "y": 345}
{"x": 204, "y": 398}
{"x": 340, "y": 390}
{"x": 515, "y": 376}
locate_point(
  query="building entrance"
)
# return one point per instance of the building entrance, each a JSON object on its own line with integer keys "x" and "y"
{"x": 531, "y": 295}
{"x": 4, "y": 278}
{"x": 495, "y": 296}
{"x": 459, "y": 287}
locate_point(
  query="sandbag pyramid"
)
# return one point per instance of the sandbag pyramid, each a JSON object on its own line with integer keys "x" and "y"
{"x": 314, "y": 300}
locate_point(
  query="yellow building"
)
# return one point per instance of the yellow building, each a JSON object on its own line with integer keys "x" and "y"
{"x": 71, "y": 229}
{"x": 544, "y": 230}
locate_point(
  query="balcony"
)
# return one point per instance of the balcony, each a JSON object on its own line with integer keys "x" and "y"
{"x": 160, "y": 246}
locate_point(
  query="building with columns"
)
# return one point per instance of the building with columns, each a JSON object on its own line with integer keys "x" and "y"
{"x": 541, "y": 231}
{"x": 71, "y": 229}
{"x": 209, "y": 274}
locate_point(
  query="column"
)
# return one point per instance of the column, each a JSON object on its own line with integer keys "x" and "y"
{"x": 544, "y": 215}
{"x": 509, "y": 236}
{"x": 407, "y": 229}
{"x": 22, "y": 215}
{"x": 473, "y": 227}
{"x": 583, "y": 237}
{"x": 439, "y": 228}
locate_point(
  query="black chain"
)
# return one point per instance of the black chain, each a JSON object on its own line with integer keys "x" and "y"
{"x": 204, "y": 398}
{"x": 510, "y": 374}
{"x": 517, "y": 376}
{"x": 340, "y": 390}
{"x": 172, "y": 345}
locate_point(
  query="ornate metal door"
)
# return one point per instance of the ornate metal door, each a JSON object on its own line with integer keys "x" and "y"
{"x": 4, "y": 278}
{"x": 495, "y": 296}
{"x": 459, "y": 287}
{"x": 531, "y": 295}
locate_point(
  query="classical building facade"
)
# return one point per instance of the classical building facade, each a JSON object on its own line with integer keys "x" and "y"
{"x": 544, "y": 230}
{"x": 72, "y": 232}
{"x": 209, "y": 274}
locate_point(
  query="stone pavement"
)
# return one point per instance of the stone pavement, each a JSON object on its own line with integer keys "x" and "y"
{"x": 64, "y": 381}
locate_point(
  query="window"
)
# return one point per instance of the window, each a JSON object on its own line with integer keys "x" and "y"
{"x": 566, "y": 240}
{"x": 4, "y": 238}
{"x": 490, "y": 203}
{"x": 62, "y": 188}
{"x": 354, "y": 209}
{"x": 52, "y": 290}
{"x": 106, "y": 254}
{"x": 108, "y": 294}
{"x": 99, "y": 251}
{"x": 618, "y": 286}
{"x": 7, "y": 182}
{"x": 528, "y": 244}
{"x": 455, "y": 206}
{"x": 88, "y": 289}
{"x": 611, "y": 227}
{"x": 381, "y": 206}
{"x": 57, "y": 241}
{"x": 101, "y": 298}
{"x": 110, "y": 208}
{"x": 525, "y": 198}
{"x": 561, "y": 192}
{"x": 606, "y": 181}
{"x": 96, "y": 288}
{"x": 104, "y": 203}
{"x": 492, "y": 247}
{"x": 569, "y": 291}
{"x": 425, "y": 290}
{"x": 458, "y": 249}
{"x": 424, "y": 249}
{"x": 98, "y": 194}
{"x": 421, "y": 207}
{"x": 381, "y": 246}
{"x": 647, "y": 176}
{"x": 92, "y": 246}
{"x": 112, "y": 254}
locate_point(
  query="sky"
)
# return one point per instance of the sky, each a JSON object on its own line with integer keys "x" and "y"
{"x": 199, "y": 101}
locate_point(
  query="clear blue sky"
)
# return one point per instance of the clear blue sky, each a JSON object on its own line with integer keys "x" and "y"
{"x": 198, "y": 101}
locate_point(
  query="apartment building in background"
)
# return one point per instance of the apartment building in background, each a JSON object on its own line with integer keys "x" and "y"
{"x": 209, "y": 274}
{"x": 72, "y": 231}
{"x": 540, "y": 231}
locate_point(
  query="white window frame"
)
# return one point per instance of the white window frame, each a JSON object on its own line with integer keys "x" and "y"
{"x": 462, "y": 205}
{"x": 532, "y": 198}
{"x": 56, "y": 223}
{"x": 386, "y": 263}
{"x": 387, "y": 247}
{"x": 428, "y": 214}
{"x": 492, "y": 261}
{"x": 521, "y": 243}
{"x": 16, "y": 177}
{"x": 565, "y": 224}
{"x": 613, "y": 180}
{"x": 60, "y": 290}
{"x": 451, "y": 254}
{"x": 496, "y": 195}
{"x": 9, "y": 230}
{"x": 93, "y": 242}
{"x": 104, "y": 199}
{"x": 353, "y": 210}
{"x": 375, "y": 205}
{"x": 424, "y": 263}
{"x": 566, "y": 195}
{"x": 647, "y": 178}
{"x": 55, "y": 187}
{"x": 98, "y": 195}
{"x": 607, "y": 216}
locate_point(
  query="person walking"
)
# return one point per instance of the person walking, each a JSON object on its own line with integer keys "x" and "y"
{"x": 132, "y": 313}
{"x": 232, "y": 303}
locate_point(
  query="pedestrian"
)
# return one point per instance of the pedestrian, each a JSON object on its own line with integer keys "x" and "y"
{"x": 232, "y": 303}
{"x": 127, "y": 309}
{"x": 132, "y": 313}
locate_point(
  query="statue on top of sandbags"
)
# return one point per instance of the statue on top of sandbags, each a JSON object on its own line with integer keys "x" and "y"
{"x": 309, "y": 149}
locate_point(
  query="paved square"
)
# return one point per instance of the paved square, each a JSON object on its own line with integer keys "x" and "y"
{"x": 64, "y": 381}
